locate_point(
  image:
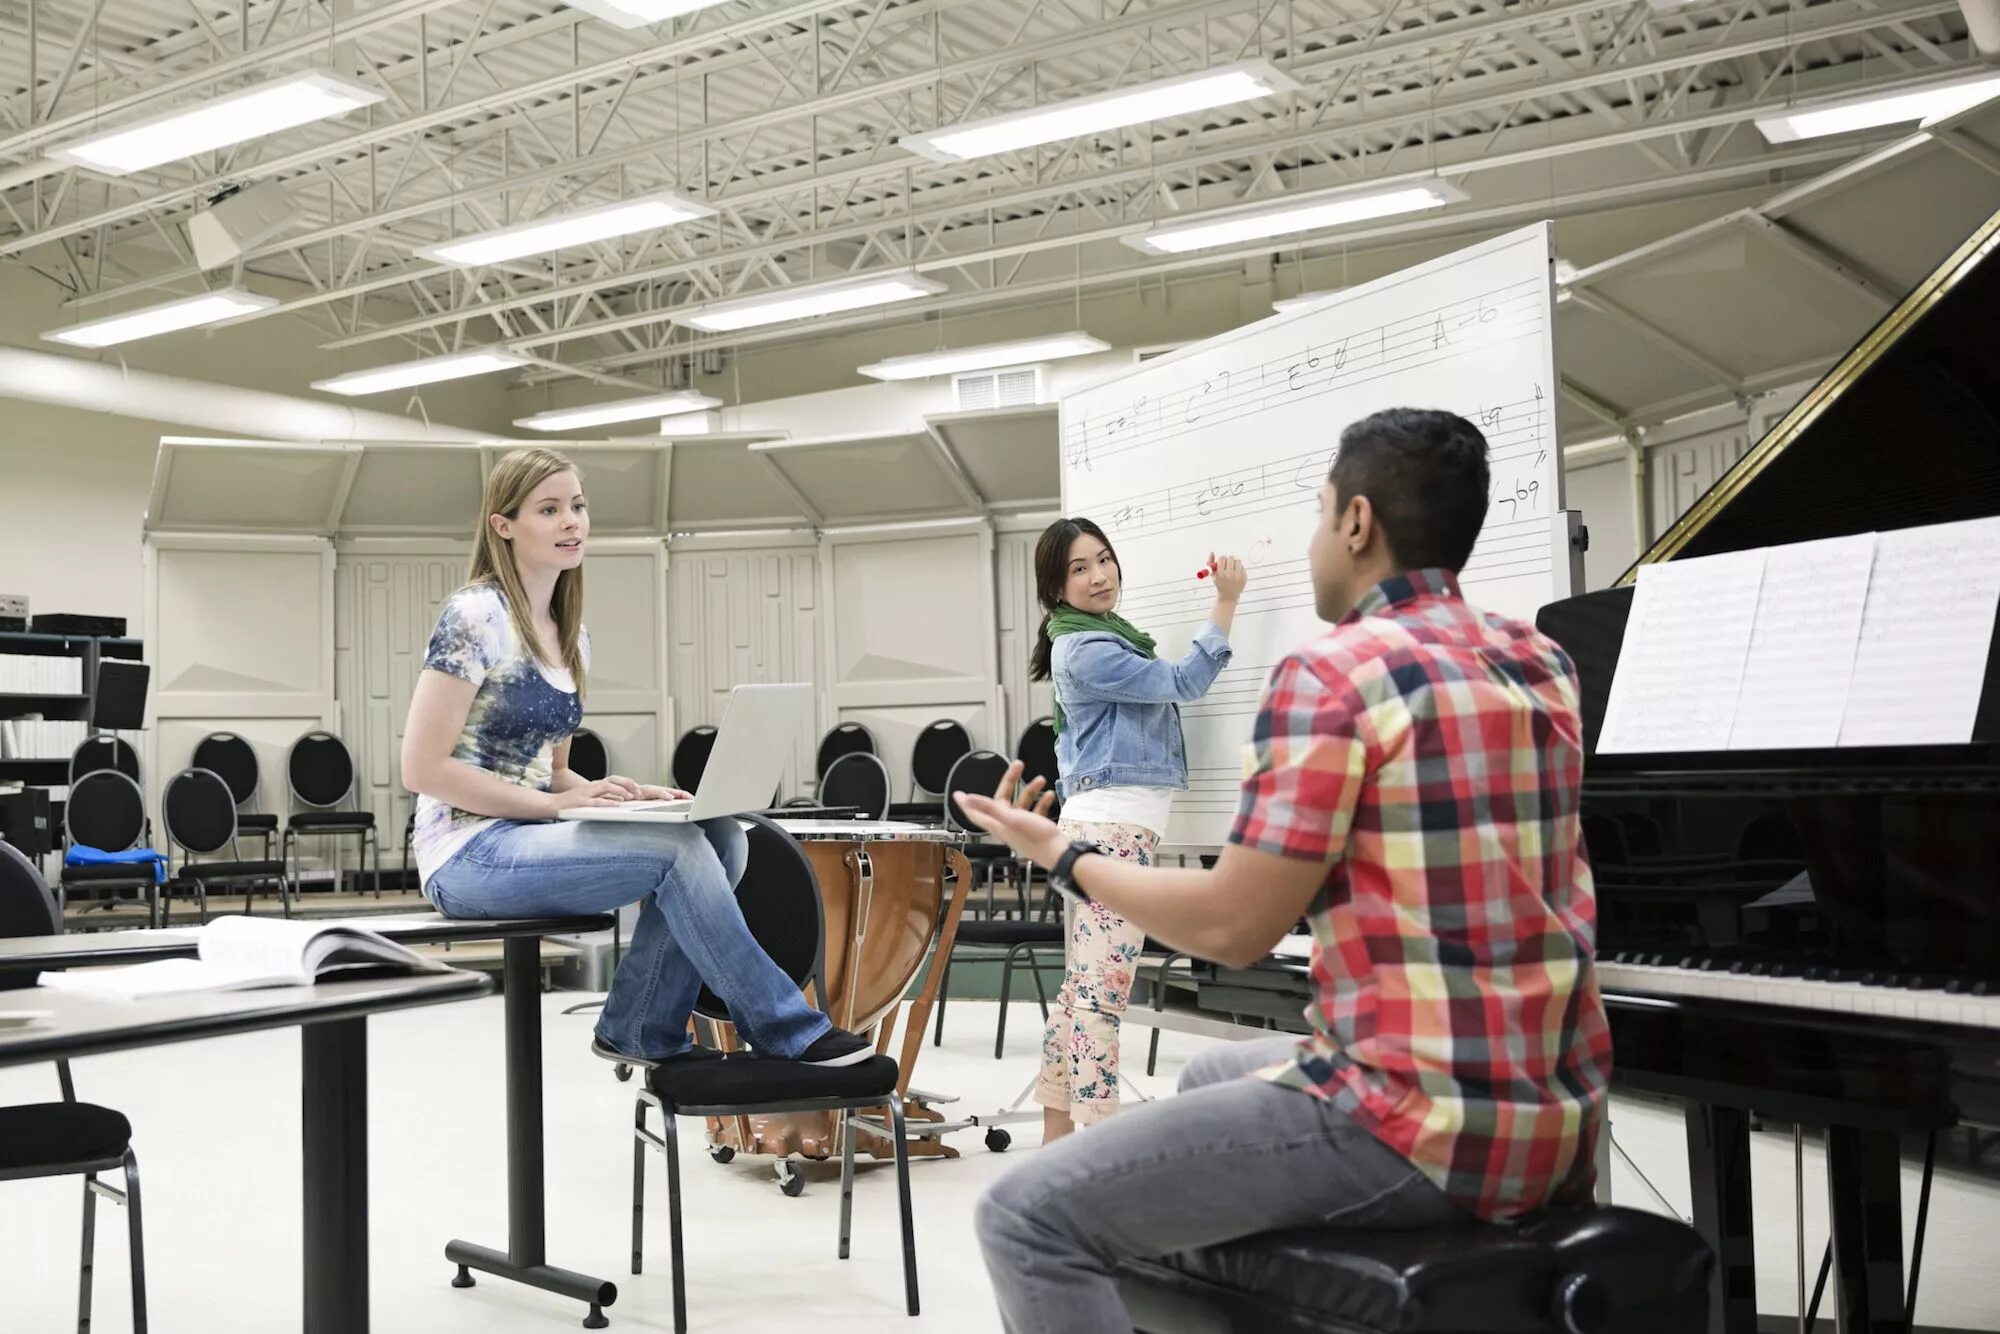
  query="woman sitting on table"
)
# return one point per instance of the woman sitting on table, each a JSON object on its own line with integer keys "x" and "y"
{"x": 487, "y": 750}
{"x": 1122, "y": 758}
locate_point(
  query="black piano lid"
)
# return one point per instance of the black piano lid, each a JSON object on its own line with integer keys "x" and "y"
{"x": 1904, "y": 431}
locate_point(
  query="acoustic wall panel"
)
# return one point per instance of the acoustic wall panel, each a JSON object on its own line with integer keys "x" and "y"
{"x": 1018, "y": 615}
{"x": 739, "y": 615}
{"x": 1681, "y": 470}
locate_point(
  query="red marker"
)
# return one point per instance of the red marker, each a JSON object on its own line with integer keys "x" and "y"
{"x": 1203, "y": 574}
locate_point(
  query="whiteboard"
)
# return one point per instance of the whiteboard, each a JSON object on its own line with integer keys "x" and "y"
{"x": 1222, "y": 446}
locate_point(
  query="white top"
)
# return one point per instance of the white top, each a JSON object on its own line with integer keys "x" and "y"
{"x": 1147, "y": 807}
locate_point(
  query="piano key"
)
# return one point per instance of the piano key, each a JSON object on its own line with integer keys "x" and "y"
{"x": 1926, "y": 1005}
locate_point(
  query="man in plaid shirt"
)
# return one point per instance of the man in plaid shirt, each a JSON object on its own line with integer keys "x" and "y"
{"x": 1412, "y": 788}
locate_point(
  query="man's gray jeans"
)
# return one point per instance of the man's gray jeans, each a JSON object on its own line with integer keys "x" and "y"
{"x": 1228, "y": 1157}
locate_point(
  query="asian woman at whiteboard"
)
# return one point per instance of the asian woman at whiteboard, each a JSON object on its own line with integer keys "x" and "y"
{"x": 1122, "y": 757}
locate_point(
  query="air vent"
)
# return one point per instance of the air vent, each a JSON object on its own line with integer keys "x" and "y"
{"x": 1020, "y": 387}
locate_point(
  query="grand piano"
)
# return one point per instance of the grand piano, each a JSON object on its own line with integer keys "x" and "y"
{"x": 1813, "y": 937}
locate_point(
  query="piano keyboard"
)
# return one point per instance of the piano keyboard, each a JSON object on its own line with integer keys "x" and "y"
{"x": 1918, "y": 1005}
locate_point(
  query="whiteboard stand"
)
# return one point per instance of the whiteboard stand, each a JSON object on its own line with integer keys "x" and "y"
{"x": 1572, "y": 540}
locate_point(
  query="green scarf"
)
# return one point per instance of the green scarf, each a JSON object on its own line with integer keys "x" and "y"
{"x": 1070, "y": 621}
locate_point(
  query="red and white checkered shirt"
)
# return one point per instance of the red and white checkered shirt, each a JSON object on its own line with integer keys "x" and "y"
{"x": 1433, "y": 755}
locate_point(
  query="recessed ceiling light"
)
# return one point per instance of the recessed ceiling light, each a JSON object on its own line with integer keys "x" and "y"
{"x": 1306, "y": 213}
{"x": 189, "y": 312}
{"x": 804, "y": 302}
{"x": 1019, "y": 352}
{"x": 430, "y": 370}
{"x": 253, "y": 113}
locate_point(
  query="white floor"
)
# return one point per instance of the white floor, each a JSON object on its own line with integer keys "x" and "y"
{"x": 217, "y": 1133}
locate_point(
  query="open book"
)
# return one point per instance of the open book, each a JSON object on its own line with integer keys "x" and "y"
{"x": 242, "y": 953}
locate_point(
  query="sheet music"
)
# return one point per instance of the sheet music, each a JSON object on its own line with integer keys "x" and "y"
{"x": 1687, "y": 641}
{"x": 1924, "y": 636}
{"x": 1802, "y": 645}
{"x": 1223, "y": 446}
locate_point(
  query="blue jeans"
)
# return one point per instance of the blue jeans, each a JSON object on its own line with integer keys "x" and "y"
{"x": 690, "y": 928}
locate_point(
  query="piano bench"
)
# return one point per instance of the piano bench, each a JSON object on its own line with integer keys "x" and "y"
{"x": 1590, "y": 1271}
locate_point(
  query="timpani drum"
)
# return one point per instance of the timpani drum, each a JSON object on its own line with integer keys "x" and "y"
{"x": 891, "y": 891}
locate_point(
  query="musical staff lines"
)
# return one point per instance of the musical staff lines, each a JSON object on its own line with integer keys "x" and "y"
{"x": 1487, "y": 320}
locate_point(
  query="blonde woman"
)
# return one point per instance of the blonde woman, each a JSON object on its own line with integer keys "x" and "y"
{"x": 487, "y": 752}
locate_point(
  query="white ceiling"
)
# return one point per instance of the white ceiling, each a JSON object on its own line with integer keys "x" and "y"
{"x": 784, "y": 118}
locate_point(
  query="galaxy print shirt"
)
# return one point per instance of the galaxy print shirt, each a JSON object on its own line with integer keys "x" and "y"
{"x": 524, "y": 708}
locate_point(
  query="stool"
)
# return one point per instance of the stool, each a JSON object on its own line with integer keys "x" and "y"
{"x": 1587, "y": 1271}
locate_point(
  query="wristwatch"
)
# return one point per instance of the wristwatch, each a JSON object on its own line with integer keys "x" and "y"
{"x": 1061, "y": 876}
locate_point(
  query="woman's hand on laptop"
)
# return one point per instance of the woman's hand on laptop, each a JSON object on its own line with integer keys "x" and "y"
{"x": 652, "y": 792}
{"x": 597, "y": 792}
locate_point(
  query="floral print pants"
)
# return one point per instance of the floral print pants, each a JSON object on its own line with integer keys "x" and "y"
{"x": 1080, "y": 1045}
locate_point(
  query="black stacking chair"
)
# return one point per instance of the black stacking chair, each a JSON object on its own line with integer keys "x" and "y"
{"x": 107, "y": 811}
{"x": 844, "y": 739}
{"x": 780, "y": 898}
{"x": 104, "y": 751}
{"x": 691, "y": 754}
{"x": 1037, "y": 752}
{"x": 1017, "y": 938}
{"x": 321, "y": 772}
{"x": 939, "y": 746}
{"x": 199, "y": 810}
{"x": 230, "y": 756}
{"x": 860, "y": 780}
{"x": 587, "y": 756}
{"x": 67, "y": 1138}
{"x": 1582, "y": 1271}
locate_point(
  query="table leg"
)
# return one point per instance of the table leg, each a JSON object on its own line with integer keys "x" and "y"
{"x": 334, "y": 1095}
{"x": 525, "y": 1260}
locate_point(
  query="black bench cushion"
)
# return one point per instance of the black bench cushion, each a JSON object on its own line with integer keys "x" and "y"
{"x": 140, "y": 873}
{"x": 49, "y": 1134}
{"x": 333, "y": 820}
{"x": 1008, "y": 931}
{"x": 743, "y": 1080}
{"x": 248, "y": 821}
{"x": 1621, "y": 1272}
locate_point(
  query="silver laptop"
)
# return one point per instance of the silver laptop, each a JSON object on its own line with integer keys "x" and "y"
{"x": 760, "y": 725}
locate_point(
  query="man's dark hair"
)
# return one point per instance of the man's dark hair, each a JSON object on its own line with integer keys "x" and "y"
{"x": 1424, "y": 472}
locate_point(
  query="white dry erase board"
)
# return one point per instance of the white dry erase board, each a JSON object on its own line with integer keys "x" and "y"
{"x": 1222, "y": 446}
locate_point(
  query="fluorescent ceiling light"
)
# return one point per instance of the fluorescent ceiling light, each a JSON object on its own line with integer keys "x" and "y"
{"x": 799, "y": 303}
{"x": 626, "y": 410}
{"x": 281, "y": 104}
{"x": 404, "y": 374}
{"x": 187, "y": 313}
{"x": 639, "y": 13}
{"x": 1106, "y": 111}
{"x": 1020, "y": 352}
{"x": 1844, "y": 115}
{"x": 1307, "y": 213}
{"x": 1302, "y": 301}
{"x": 563, "y": 230}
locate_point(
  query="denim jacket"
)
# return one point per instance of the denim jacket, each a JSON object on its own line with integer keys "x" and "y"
{"x": 1122, "y": 709}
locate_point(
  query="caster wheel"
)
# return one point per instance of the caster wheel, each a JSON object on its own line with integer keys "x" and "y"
{"x": 623, "y": 1072}
{"x": 790, "y": 1180}
{"x": 997, "y": 1140}
{"x": 721, "y": 1153}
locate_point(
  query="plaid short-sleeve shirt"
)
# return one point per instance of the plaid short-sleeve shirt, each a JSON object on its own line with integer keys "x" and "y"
{"x": 1432, "y": 755}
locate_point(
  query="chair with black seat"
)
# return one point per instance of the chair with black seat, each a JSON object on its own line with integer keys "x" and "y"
{"x": 1039, "y": 927}
{"x": 859, "y": 780}
{"x": 588, "y": 758}
{"x": 938, "y": 747}
{"x": 690, "y": 759}
{"x": 842, "y": 739}
{"x": 106, "y": 810}
{"x": 780, "y": 898}
{"x": 1586, "y": 1271}
{"x": 1037, "y": 752}
{"x": 66, "y": 1138}
{"x": 232, "y": 757}
{"x": 321, "y": 773}
{"x": 199, "y": 811}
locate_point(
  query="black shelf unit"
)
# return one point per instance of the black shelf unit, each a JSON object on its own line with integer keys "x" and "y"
{"x": 92, "y": 649}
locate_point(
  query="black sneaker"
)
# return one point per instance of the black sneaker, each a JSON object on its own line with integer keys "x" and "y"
{"x": 836, "y": 1046}
{"x": 605, "y": 1051}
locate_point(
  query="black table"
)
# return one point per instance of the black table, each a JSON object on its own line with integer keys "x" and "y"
{"x": 333, "y": 1092}
{"x": 526, "y": 1258}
